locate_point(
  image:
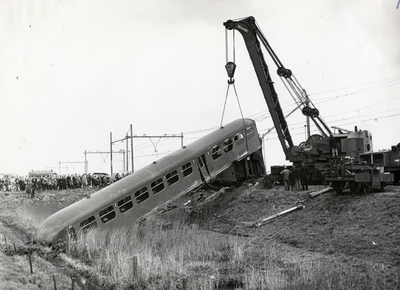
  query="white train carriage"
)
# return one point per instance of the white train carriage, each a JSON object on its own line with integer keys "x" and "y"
{"x": 231, "y": 153}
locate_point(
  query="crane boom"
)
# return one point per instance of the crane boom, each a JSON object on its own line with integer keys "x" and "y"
{"x": 253, "y": 38}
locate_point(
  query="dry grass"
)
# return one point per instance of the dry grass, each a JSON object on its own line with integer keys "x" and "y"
{"x": 152, "y": 258}
{"x": 157, "y": 259}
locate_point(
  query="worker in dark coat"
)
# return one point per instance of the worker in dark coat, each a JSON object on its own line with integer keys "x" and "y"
{"x": 297, "y": 176}
{"x": 34, "y": 186}
{"x": 305, "y": 176}
{"x": 333, "y": 146}
{"x": 286, "y": 177}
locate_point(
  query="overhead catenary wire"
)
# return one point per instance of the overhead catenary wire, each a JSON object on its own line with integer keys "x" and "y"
{"x": 265, "y": 113}
{"x": 392, "y": 79}
{"x": 295, "y": 129}
{"x": 262, "y": 115}
{"x": 337, "y": 122}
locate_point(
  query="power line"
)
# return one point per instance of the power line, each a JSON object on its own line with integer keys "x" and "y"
{"x": 340, "y": 124}
{"x": 334, "y": 90}
{"x": 289, "y": 105}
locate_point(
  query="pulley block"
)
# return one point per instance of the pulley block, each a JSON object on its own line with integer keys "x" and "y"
{"x": 284, "y": 72}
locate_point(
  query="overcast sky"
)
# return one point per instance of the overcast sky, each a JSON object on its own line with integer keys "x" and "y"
{"x": 73, "y": 71}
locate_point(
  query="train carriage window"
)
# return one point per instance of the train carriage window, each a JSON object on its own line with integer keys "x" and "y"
{"x": 88, "y": 223}
{"x": 125, "y": 204}
{"x": 187, "y": 169}
{"x": 142, "y": 194}
{"x": 107, "y": 214}
{"x": 228, "y": 145}
{"x": 72, "y": 233}
{"x": 239, "y": 139}
{"x": 250, "y": 132}
{"x": 157, "y": 185}
{"x": 172, "y": 177}
{"x": 216, "y": 152}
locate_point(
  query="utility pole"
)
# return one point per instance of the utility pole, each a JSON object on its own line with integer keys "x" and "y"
{"x": 308, "y": 119}
{"x": 111, "y": 165}
{"x": 133, "y": 169}
{"x": 126, "y": 143}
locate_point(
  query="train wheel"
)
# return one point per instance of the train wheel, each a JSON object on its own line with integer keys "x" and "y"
{"x": 365, "y": 188}
{"x": 382, "y": 189}
{"x": 337, "y": 187}
{"x": 339, "y": 190}
{"x": 396, "y": 177}
{"x": 357, "y": 187}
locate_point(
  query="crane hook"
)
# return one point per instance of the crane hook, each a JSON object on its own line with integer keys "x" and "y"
{"x": 230, "y": 69}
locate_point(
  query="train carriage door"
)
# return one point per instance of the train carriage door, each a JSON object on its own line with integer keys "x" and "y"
{"x": 203, "y": 168}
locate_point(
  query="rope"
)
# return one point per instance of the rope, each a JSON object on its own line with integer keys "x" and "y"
{"x": 240, "y": 108}
{"x": 226, "y": 99}
{"x": 223, "y": 111}
{"x": 234, "y": 47}
{"x": 226, "y": 45}
{"x": 227, "y": 48}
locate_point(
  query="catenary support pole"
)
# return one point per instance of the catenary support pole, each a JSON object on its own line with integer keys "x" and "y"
{"x": 133, "y": 168}
{"x": 111, "y": 160}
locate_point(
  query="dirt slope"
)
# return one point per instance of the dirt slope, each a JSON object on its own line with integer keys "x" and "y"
{"x": 359, "y": 231}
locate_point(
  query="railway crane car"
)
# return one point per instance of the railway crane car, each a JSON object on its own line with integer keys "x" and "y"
{"x": 315, "y": 152}
{"x": 231, "y": 153}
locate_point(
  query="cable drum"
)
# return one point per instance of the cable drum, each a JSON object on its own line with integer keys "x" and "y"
{"x": 295, "y": 150}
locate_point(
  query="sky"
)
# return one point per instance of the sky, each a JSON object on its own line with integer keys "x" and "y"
{"x": 74, "y": 75}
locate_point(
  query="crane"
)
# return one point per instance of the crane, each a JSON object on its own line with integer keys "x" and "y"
{"x": 316, "y": 150}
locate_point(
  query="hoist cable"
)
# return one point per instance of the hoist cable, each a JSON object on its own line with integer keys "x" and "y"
{"x": 237, "y": 98}
{"x": 226, "y": 99}
{"x": 241, "y": 113}
{"x": 227, "y": 47}
{"x": 234, "y": 47}
{"x": 223, "y": 111}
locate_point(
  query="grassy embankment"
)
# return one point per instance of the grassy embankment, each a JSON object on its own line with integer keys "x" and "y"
{"x": 152, "y": 258}
{"x": 159, "y": 259}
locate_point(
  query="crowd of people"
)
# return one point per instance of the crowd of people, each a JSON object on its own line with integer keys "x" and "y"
{"x": 58, "y": 182}
{"x": 295, "y": 178}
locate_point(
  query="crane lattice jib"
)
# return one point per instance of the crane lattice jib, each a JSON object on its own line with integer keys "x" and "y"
{"x": 253, "y": 36}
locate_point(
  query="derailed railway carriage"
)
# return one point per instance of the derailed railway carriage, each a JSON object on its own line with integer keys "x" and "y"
{"x": 229, "y": 154}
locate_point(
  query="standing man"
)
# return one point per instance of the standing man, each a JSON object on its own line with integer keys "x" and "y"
{"x": 33, "y": 188}
{"x": 286, "y": 177}
{"x": 297, "y": 176}
{"x": 84, "y": 181}
{"x": 305, "y": 175}
{"x": 89, "y": 180}
{"x": 333, "y": 146}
